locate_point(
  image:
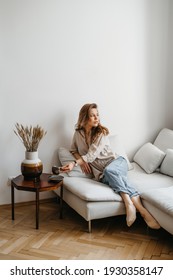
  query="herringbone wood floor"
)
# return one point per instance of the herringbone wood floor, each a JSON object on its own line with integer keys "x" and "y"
{"x": 68, "y": 238}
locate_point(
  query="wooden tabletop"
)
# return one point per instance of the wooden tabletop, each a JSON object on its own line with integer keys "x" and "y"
{"x": 29, "y": 185}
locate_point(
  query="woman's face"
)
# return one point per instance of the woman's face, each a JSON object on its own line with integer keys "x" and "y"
{"x": 94, "y": 119}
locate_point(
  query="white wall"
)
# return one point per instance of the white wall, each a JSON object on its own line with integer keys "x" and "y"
{"x": 169, "y": 81}
{"x": 57, "y": 55}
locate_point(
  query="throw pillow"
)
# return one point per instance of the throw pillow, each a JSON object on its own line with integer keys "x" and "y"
{"x": 149, "y": 157}
{"x": 167, "y": 164}
{"x": 65, "y": 157}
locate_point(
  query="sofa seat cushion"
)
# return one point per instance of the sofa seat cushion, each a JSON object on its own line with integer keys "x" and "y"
{"x": 90, "y": 190}
{"x": 144, "y": 181}
{"x": 162, "y": 198}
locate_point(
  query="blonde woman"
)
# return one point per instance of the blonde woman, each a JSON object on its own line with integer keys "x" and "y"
{"x": 92, "y": 151}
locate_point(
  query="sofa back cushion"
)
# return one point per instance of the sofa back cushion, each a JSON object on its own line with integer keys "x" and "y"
{"x": 164, "y": 140}
{"x": 167, "y": 164}
{"x": 118, "y": 148}
{"x": 65, "y": 157}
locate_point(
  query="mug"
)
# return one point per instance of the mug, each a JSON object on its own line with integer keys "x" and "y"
{"x": 56, "y": 169}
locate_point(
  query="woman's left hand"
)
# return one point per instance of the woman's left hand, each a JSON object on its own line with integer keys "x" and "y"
{"x": 86, "y": 168}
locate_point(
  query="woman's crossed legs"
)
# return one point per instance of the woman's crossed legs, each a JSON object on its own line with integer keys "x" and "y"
{"x": 115, "y": 175}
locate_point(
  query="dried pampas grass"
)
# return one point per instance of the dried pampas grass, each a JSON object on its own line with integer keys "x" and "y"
{"x": 30, "y": 136}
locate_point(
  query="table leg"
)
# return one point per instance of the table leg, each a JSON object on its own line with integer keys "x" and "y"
{"x": 61, "y": 201}
{"x": 37, "y": 208}
{"x": 12, "y": 200}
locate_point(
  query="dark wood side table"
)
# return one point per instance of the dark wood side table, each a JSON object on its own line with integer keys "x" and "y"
{"x": 43, "y": 185}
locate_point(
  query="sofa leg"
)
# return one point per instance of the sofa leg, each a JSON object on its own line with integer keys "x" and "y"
{"x": 89, "y": 226}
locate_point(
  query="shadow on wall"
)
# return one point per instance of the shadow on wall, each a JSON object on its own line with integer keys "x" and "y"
{"x": 158, "y": 53}
{"x": 169, "y": 80}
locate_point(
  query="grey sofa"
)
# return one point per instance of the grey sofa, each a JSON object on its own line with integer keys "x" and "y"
{"x": 94, "y": 200}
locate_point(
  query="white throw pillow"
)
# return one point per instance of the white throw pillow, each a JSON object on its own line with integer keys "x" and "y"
{"x": 167, "y": 164}
{"x": 118, "y": 148}
{"x": 65, "y": 157}
{"x": 149, "y": 157}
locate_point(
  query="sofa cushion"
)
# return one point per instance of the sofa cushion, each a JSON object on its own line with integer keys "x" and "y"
{"x": 117, "y": 148}
{"x": 65, "y": 157}
{"x": 162, "y": 198}
{"x": 144, "y": 181}
{"x": 90, "y": 190}
{"x": 149, "y": 157}
{"x": 167, "y": 164}
{"x": 164, "y": 140}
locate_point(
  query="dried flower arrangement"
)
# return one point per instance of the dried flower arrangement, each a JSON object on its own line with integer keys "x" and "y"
{"x": 30, "y": 136}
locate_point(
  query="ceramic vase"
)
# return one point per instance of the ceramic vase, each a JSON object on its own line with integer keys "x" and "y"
{"x": 31, "y": 166}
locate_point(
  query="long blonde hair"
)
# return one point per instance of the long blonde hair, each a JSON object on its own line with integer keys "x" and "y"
{"x": 83, "y": 119}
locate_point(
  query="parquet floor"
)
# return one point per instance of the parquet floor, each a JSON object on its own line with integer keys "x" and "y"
{"x": 68, "y": 238}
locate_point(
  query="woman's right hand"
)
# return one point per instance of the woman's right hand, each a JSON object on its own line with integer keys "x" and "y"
{"x": 68, "y": 167}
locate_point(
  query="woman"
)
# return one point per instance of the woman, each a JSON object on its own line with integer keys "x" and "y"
{"x": 92, "y": 151}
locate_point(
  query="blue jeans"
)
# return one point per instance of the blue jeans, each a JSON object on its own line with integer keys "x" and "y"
{"x": 115, "y": 175}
